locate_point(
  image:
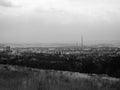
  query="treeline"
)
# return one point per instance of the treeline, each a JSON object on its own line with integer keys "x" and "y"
{"x": 109, "y": 65}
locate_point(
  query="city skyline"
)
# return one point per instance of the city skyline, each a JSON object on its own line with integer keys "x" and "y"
{"x": 59, "y": 21}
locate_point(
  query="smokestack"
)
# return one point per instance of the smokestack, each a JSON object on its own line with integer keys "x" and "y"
{"x": 81, "y": 41}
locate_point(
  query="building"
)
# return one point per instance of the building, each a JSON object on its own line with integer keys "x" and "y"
{"x": 7, "y": 49}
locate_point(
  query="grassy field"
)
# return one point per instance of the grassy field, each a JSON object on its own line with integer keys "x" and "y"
{"x": 19, "y": 78}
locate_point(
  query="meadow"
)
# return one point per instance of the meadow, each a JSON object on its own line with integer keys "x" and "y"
{"x": 23, "y": 78}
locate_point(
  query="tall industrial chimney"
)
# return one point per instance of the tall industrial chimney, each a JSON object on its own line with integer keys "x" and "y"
{"x": 82, "y": 42}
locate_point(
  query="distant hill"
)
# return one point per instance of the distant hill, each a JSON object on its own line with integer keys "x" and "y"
{"x": 38, "y": 44}
{"x": 107, "y": 44}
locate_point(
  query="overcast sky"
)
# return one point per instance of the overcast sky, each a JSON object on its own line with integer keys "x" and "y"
{"x": 52, "y": 21}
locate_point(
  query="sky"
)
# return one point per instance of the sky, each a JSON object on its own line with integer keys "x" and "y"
{"x": 59, "y": 21}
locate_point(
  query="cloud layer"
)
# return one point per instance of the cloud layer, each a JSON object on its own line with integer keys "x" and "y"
{"x": 105, "y": 10}
{"x": 5, "y": 3}
{"x": 58, "y": 20}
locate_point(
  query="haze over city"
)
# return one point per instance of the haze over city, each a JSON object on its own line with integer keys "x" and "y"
{"x": 59, "y": 44}
{"x": 59, "y": 21}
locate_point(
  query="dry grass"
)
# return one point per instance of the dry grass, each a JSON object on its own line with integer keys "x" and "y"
{"x": 18, "y": 78}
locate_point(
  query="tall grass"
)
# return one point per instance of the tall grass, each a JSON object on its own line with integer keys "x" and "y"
{"x": 18, "y": 78}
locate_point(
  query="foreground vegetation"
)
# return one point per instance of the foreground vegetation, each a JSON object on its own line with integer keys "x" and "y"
{"x": 109, "y": 65}
{"x": 19, "y": 78}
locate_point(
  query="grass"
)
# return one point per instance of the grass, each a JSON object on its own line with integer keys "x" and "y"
{"x": 21, "y": 78}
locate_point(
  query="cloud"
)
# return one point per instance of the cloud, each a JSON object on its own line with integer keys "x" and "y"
{"x": 48, "y": 20}
{"x": 6, "y": 3}
{"x": 93, "y": 10}
{"x": 73, "y": 10}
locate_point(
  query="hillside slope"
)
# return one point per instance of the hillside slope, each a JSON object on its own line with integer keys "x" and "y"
{"x": 22, "y": 78}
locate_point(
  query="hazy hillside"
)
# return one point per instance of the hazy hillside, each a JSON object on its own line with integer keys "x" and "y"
{"x": 19, "y": 78}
